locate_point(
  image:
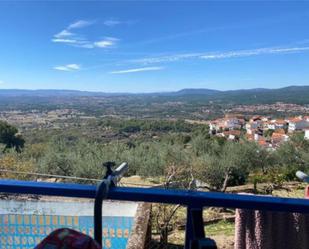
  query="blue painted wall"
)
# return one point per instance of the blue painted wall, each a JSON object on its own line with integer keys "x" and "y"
{"x": 26, "y": 231}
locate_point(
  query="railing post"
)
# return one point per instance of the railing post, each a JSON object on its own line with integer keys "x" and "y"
{"x": 195, "y": 233}
{"x": 194, "y": 226}
{"x": 101, "y": 194}
{"x": 110, "y": 180}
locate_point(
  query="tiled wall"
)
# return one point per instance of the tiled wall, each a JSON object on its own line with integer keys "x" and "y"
{"x": 25, "y": 231}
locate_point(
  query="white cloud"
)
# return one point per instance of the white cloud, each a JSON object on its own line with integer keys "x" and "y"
{"x": 84, "y": 44}
{"x": 60, "y": 40}
{"x": 112, "y": 22}
{"x": 135, "y": 70}
{"x": 254, "y": 52}
{"x": 80, "y": 24}
{"x": 1, "y": 82}
{"x": 168, "y": 58}
{"x": 103, "y": 44}
{"x": 221, "y": 55}
{"x": 68, "y": 67}
{"x": 107, "y": 42}
{"x": 64, "y": 33}
{"x": 69, "y": 38}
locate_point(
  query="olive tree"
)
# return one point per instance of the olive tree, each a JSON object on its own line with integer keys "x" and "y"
{"x": 10, "y": 138}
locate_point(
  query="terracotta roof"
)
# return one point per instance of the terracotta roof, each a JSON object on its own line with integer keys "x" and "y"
{"x": 232, "y": 132}
{"x": 280, "y": 131}
{"x": 277, "y": 135}
{"x": 262, "y": 142}
{"x": 295, "y": 119}
{"x": 249, "y": 136}
{"x": 280, "y": 121}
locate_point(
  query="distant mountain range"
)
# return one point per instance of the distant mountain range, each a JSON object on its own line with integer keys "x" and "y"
{"x": 49, "y": 93}
{"x": 291, "y": 94}
{"x": 58, "y": 92}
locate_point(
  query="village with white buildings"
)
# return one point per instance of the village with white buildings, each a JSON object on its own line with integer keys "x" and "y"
{"x": 267, "y": 132}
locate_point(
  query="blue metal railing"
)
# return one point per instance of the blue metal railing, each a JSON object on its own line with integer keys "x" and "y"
{"x": 194, "y": 200}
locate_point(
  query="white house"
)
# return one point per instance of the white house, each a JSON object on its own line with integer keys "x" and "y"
{"x": 307, "y": 134}
{"x": 297, "y": 124}
{"x": 275, "y": 124}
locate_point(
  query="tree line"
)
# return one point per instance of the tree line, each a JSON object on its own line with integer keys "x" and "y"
{"x": 184, "y": 152}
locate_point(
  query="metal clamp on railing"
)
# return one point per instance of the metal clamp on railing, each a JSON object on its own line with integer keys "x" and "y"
{"x": 110, "y": 180}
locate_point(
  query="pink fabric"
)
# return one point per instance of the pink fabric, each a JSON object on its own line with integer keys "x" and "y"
{"x": 271, "y": 230}
{"x": 307, "y": 192}
{"x": 67, "y": 239}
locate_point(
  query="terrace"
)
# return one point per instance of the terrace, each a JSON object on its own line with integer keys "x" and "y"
{"x": 195, "y": 202}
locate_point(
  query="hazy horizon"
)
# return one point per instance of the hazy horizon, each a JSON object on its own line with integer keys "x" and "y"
{"x": 176, "y": 90}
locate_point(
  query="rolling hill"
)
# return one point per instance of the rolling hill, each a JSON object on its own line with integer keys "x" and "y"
{"x": 290, "y": 94}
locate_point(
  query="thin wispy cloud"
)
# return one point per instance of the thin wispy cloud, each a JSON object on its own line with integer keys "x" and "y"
{"x": 254, "y": 52}
{"x": 70, "y": 38}
{"x": 67, "y": 32}
{"x": 167, "y": 58}
{"x": 221, "y": 55}
{"x": 112, "y": 22}
{"x": 1, "y": 82}
{"x": 68, "y": 67}
{"x": 80, "y": 24}
{"x": 63, "y": 33}
{"x": 67, "y": 36}
{"x": 61, "y": 40}
{"x": 136, "y": 70}
{"x": 115, "y": 22}
{"x": 106, "y": 42}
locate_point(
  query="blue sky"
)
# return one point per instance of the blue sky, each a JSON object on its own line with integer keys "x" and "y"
{"x": 145, "y": 46}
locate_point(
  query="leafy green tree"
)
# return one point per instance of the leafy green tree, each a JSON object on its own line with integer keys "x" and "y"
{"x": 230, "y": 165}
{"x": 292, "y": 156}
{"x": 268, "y": 133}
{"x": 13, "y": 161}
{"x": 10, "y": 138}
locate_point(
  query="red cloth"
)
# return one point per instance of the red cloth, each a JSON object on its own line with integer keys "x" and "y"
{"x": 68, "y": 239}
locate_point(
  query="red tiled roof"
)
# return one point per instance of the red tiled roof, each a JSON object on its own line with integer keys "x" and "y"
{"x": 295, "y": 119}
{"x": 280, "y": 131}
{"x": 232, "y": 132}
{"x": 280, "y": 121}
{"x": 277, "y": 135}
{"x": 262, "y": 142}
{"x": 249, "y": 136}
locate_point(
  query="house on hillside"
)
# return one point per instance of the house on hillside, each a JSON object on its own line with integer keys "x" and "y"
{"x": 232, "y": 134}
{"x": 250, "y": 137}
{"x": 227, "y": 123}
{"x": 276, "y": 124}
{"x": 263, "y": 142}
{"x": 307, "y": 134}
{"x": 297, "y": 123}
{"x": 278, "y": 138}
{"x": 254, "y": 123}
